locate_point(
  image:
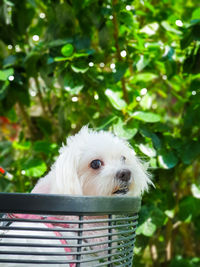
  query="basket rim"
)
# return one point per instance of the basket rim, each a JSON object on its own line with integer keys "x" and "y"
{"x": 67, "y": 204}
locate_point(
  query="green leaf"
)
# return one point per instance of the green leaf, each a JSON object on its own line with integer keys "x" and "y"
{"x": 146, "y": 101}
{"x": 106, "y": 122}
{"x": 80, "y": 67}
{"x": 188, "y": 208}
{"x": 122, "y": 131}
{"x": 127, "y": 18}
{"x": 121, "y": 68}
{"x": 148, "y": 228}
{"x": 4, "y": 89}
{"x": 157, "y": 216}
{"x": 31, "y": 62}
{"x": 44, "y": 147}
{"x": 73, "y": 84}
{"x": 147, "y": 150}
{"x": 4, "y": 74}
{"x": 155, "y": 140}
{"x": 151, "y": 217}
{"x": 169, "y": 28}
{"x": 170, "y": 213}
{"x": 190, "y": 152}
{"x": 34, "y": 167}
{"x": 59, "y": 42}
{"x": 146, "y": 116}
{"x": 22, "y": 145}
{"x": 169, "y": 52}
{"x": 179, "y": 261}
{"x": 12, "y": 115}
{"x": 153, "y": 163}
{"x": 195, "y": 190}
{"x": 10, "y": 61}
{"x": 45, "y": 126}
{"x": 67, "y": 50}
{"x": 145, "y": 77}
{"x": 167, "y": 160}
{"x": 115, "y": 99}
{"x": 142, "y": 62}
{"x": 196, "y": 14}
{"x": 150, "y": 29}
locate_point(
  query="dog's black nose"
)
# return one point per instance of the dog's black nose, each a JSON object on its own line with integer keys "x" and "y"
{"x": 123, "y": 175}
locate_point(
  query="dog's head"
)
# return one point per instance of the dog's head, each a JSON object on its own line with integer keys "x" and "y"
{"x": 98, "y": 164}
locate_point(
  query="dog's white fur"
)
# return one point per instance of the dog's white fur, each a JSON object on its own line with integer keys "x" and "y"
{"x": 72, "y": 173}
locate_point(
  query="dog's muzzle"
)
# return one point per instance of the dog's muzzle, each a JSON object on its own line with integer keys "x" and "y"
{"x": 123, "y": 176}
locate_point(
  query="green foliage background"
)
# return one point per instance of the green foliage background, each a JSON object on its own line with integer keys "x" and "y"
{"x": 131, "y": 67}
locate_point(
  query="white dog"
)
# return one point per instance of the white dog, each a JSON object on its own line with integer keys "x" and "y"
{"x": 97, "y": 164}
{"x": 92, "y": 164}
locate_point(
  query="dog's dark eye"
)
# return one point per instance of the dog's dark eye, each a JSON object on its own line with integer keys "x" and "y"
{"x": 96, "y": 164}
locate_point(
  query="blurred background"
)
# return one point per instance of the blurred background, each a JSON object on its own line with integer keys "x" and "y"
{"x": 130, "y": 67}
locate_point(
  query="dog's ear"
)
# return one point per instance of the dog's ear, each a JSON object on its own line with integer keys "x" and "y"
{"x": 65, "y": 170}
{"x": 63, "y": 177}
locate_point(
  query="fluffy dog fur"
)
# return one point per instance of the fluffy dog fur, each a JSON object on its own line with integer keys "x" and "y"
{"x": 72, "y": 172}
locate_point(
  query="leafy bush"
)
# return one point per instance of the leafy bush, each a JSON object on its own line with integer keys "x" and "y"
{"x": 131, "y": 67}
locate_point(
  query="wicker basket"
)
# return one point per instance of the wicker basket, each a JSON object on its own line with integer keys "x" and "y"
{"x": 58, "y": 230}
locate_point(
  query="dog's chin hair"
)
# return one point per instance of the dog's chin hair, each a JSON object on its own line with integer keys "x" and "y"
{"x": 99, "y": 188}
{"x": 102, "y": 188}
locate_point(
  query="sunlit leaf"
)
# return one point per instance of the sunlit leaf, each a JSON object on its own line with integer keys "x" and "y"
{"x": 167, "y": 160}
{"x": 169, "y": 28}
{"x": 22, "y": 145}
{"x": 73, "y": 84}
{"x": 80, "y": 67}
{"x": 146, "y": 116}
{"x": 196, "y": 14}
{"x": 170, "y": 213}
{"x": 145, "y": 77}
{"x": 155, "y": 139}
{"x": 34, "y": 167}
{"x": 147, "y": 150}
{"x": 142, "y": 62}
{"x": 146, "y": 101}
{"x": 67, "y": 50}
{"x": 148, "y": 228}
{"x": 150, "y": 29}
{"x": 115, "y": 99}
{"x": 121, "y": 130}
{"x": 195, "y": 190}
{"x": 44, "y": 147}
{"x": 4, "y": 74}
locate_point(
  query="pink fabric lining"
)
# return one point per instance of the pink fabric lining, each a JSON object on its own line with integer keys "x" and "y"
{"x": 49, "y": 225}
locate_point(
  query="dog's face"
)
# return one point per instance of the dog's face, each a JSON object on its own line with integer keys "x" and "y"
{"x": 106, "y": 166}
{"x": 96, "y": 164}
